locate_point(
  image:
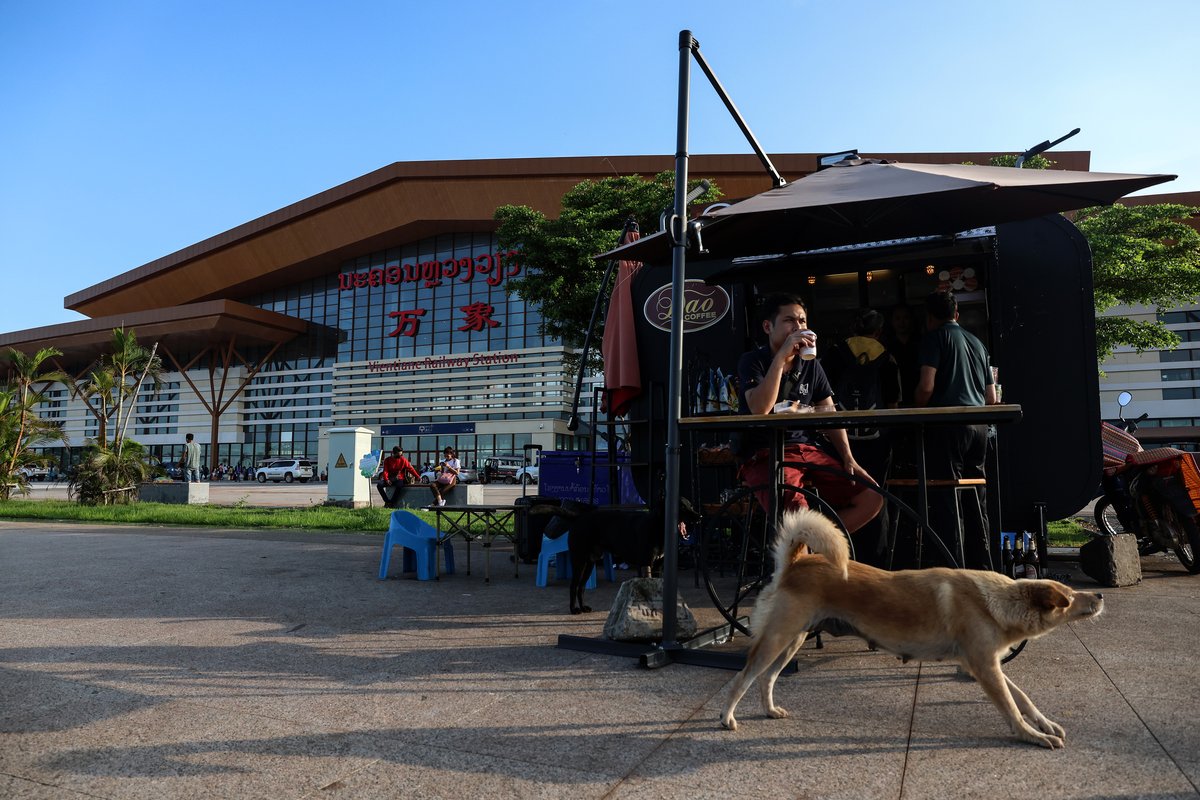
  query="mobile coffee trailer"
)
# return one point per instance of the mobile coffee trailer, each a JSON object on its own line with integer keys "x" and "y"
{"x": 1025, "y": 288}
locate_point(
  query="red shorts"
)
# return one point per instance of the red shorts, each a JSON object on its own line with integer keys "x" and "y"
{"x": 834, "y": 488}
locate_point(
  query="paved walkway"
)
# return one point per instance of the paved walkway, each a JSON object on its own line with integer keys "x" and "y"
{"x": 156, "y": 663}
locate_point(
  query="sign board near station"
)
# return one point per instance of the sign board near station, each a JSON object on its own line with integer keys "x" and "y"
{"x": 427, "y": 429}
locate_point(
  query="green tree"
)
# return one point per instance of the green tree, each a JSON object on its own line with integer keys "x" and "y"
{"x": 21, "y": 429}
{"x": 560, "y": 274}
{"x": 1033, "y": 162}
{"x": 1141, "y": 255}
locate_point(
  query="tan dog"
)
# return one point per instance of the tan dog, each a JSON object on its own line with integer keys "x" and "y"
{"x": 970, "y": 616}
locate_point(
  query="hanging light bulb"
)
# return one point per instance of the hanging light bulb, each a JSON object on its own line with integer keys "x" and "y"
{"x": 812, "y": 279}
{"x": 929, "y": 269}
{"x": 869, "y": 277}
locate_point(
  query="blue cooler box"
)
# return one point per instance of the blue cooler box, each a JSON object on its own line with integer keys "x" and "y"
{"x": 567, "y": 475}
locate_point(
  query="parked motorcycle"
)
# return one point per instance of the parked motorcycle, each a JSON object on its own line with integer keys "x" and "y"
{"x": 1153, "y": 494}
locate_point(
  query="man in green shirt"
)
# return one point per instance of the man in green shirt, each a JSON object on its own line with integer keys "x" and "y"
{"x": 954, "y": 372}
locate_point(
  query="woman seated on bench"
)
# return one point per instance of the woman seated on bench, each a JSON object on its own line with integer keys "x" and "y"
{"x": 447, "y": 476}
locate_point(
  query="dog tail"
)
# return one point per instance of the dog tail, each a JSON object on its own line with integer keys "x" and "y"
{"x": 798, "y": 528}
{"x": 805, "y": 526}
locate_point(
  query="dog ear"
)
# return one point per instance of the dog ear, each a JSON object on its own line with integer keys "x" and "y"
{"x": 1048, "y": 596}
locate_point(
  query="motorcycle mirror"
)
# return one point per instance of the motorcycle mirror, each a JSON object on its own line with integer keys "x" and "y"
{"x": 1124, "y": 399}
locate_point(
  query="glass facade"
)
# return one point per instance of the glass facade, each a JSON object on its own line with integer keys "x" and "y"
{"x": 424, "y": 332}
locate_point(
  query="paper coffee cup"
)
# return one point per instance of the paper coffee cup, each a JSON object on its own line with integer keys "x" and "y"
{"x": 808, "y": 353}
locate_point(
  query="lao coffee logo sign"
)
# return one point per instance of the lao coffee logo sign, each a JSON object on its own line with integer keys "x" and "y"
{"x": 703, "y": 306}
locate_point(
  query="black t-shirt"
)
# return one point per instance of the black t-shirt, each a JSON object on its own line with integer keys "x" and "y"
{"x": 806, "y": 383}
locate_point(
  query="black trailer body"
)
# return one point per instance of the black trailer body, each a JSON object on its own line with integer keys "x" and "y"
{"x": 1024, "y": 288}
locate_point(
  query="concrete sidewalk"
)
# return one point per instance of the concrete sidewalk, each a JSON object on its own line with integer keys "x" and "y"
{"x": 158, "y": 663}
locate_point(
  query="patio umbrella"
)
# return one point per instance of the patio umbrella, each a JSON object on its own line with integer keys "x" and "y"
{"x": 622, "y": 373}
{"x": 867, "y": 200}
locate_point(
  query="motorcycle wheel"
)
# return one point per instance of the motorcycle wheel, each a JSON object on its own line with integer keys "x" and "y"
{"x": 1106, "y": 519}
{"x": 1186, "y": 536}
{"x": 1109, "y": 524}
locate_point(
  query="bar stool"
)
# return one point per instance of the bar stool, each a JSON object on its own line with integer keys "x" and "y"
{"x": 956, "y": 485}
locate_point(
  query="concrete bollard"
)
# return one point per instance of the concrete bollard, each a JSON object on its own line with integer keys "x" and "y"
{"x": 1112, "y": 560}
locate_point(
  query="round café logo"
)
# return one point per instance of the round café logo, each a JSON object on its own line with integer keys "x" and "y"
{"x": 703, "y": 306}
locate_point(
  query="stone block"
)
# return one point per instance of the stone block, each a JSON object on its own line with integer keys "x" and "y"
{"x": 178, "y": 492}
{"x": 1112, "y": 560}
{"x": 637, "y": 613}
{"x": 419, "y": 495}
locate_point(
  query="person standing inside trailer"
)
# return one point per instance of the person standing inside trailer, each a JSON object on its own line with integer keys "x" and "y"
{"x": 779, "y": 373}
{"x": 865, "y": 376}
{"x": 955, "y": 371}
{"x": 903, "y": 341}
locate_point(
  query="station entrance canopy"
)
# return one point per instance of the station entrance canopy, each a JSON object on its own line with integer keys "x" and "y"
{"x": 216, "y": 336}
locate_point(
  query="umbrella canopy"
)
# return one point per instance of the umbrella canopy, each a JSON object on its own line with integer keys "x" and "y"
{"x": 864, "y": 200}
{"x": 622, "y": 372}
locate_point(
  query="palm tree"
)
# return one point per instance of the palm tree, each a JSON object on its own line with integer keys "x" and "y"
{"x": 129, "y": 360}
{"x": 100, "y": 385}
{"x": 21, "y": 429}
{"x": 110, "y": 476}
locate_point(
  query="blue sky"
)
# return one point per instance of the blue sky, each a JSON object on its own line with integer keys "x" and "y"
{"x": 134, "y": 129}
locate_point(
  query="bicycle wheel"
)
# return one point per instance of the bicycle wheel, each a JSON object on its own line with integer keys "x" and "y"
{"x": 735, "y": 550}
{"x": 734, "y": 555}
{"x": 1185, "y": 535}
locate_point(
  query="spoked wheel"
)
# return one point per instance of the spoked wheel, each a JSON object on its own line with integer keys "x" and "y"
{"x": 1185, "y": 535}
{"x": 735, "y": 550}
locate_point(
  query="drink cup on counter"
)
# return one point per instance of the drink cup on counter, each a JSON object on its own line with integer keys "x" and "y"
{"x": 808, "y": 353}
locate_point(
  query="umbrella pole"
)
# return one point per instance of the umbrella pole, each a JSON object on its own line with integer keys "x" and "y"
{"x": 675, "y": 385}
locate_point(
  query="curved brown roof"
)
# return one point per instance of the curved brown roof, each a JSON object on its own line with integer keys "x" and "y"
{"x": 184, "y": 328}
{"x": 404, "y": 202}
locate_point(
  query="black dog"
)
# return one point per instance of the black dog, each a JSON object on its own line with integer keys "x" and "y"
{"x": 632, "y": 537}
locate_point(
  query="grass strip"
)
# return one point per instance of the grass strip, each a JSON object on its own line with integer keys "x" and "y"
{"x": 369, "y": 520}
{"x": 1068, "y": 533}
{"x": 1062, "y": 533}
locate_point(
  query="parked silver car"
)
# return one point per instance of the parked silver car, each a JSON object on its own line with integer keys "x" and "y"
{"x": 465, "y": 475}
{"x": 286, "y": 470}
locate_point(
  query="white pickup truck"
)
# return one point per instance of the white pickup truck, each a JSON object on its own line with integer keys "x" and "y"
{"x": 35, "y": 473}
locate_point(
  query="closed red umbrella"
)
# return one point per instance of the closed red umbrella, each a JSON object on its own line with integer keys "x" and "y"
{"x": 622, "y": 372}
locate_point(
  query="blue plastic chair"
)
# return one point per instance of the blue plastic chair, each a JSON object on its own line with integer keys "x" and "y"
{"x": 557, "y": 549}
{"x": 419, "y": 540}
